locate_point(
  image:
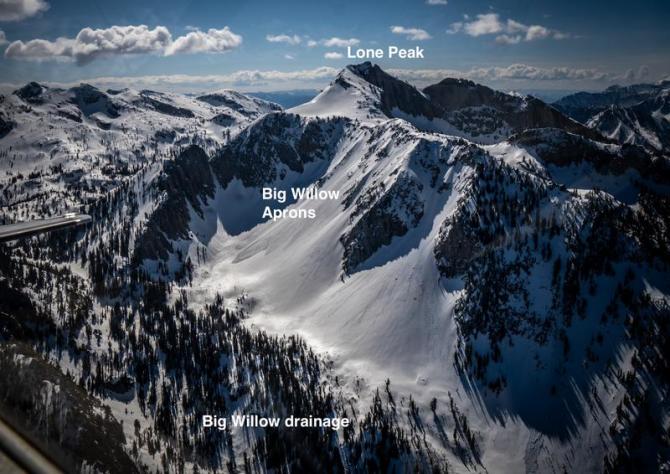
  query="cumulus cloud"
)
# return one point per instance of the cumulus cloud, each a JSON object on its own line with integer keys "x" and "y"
{"x": 436, "y": 2}
{"x": 311, "y": 43}
{"x": 416, "y": 34}
{"x": 89, "y": 44}
{"x": 509, "y": 31}
{"x": 212, "y": 41}
{"x": 340, "y": 42}
{"x": 16, "y": 10}
{"x": 333, "y": 55}
{"x": 535, "y": 32}
{"x": 39, "y": 49}
{"x": 485, "y": 24}
{"x": 292, "y": 40}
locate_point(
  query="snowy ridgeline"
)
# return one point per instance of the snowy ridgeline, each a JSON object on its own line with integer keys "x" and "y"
{"x": 484, "y": 284}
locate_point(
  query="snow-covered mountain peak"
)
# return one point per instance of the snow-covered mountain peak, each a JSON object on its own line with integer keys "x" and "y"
{"x": 349, "y": 95}
{"x": 453, "y": 106}
{"x": 30, "y": 92}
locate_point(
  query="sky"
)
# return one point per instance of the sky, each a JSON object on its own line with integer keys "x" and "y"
{"x": 297, "y": 44}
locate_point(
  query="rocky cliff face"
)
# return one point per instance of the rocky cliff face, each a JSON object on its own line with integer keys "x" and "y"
{"x": 396, "y": 94}
{"x": 91, "y": 100}
{"x": 273, "y": 146}
{"x": 453, "y": 94}
{"x": 187, "y": 183}
{"x": 380, "y": 214}
{"x": 479, "y": 110}
{"x": 31, "y": 93}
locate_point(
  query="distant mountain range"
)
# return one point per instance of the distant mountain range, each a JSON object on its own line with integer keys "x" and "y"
{"x": 637, "y": 114}
{"x": 489, "y": 292}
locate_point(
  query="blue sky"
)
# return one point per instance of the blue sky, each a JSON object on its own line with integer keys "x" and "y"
{"x": 197, "y": 45}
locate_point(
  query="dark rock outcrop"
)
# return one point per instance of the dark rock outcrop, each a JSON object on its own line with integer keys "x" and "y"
{"x": 31, "y": 93}
{"x": 90, "y": 100}
{"x": 384, "y": 214}
{"x": 6, "y": 126}
{"x": 455, "y": 247}
{"x": 560, "y": 148}
{"x": 396, "y": 93}
{"x": 462, "y": 102}
{"x": 277, "y": 143}
{"x": 187, "y": 180}
{"x": 161, "y": 106}
{"x": 223, "y": 119}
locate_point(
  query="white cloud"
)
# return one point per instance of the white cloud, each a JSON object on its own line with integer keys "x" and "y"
{"x": 509, "y": 31}
{"x": 3, "y": 38}
{"x": 292, "y": 40}
{"x": 537, "y": 32}
{"x": 416, "y": 34}
{"x": 288, "y": 56}
{"x": 16, "y": 10}
{"x": 39, "y": 49}
{"x": 212, "y": 41}
{"x": 485, "y": 24}
{"x": 89, "y": 44}
{"x": 340, "y": 42}
{"x": 436, "y": 2}
{"x": 333, "y": 55}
